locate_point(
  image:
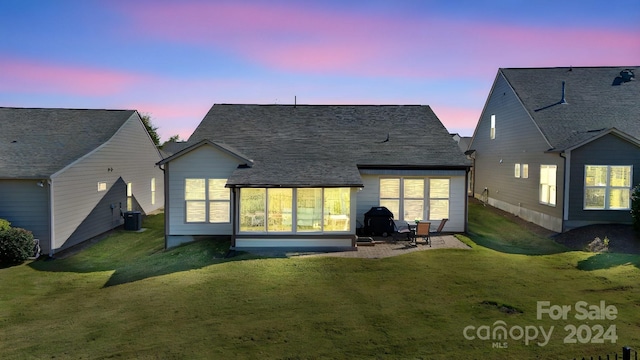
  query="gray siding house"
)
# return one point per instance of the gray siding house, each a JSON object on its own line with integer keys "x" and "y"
{"x": 304, "y": 175}
{"x": 560, "y": 147}
{"x": 66, "y": 174}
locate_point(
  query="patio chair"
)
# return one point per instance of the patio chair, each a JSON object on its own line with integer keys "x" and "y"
{"x": 422, "y": 231}
{"x": 402, "y": 231}
{"x": 440, "y": 227}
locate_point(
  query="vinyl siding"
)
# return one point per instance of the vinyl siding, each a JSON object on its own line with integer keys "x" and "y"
{"x": 25, "y": 205}
{"x": 607, "y": 150}
{"x": 369, "y": 197}
{"x": 517, "y": 141}
{"x": 132, "y": 156}
{"x": 204, "y": 162}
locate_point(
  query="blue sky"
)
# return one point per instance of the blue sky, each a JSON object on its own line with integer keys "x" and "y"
{"x": 174, "y": 59}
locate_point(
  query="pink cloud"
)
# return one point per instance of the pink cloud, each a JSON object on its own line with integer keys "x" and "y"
{"x": 24, "y": 75}
{"x": 179, "y": 117}
{"x": 305, "y": 39}
{"x": 285, "y": 38}
{"x": 458, "y": 119}
{"x": 556, "y": 46}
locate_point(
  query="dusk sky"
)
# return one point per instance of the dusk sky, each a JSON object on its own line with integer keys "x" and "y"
{"x": 174, "y": 59}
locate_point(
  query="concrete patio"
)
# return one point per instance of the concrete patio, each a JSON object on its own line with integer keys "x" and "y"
{"x": 376, "y": 250}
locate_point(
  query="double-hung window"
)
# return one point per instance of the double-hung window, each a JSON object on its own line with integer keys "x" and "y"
{"x": 521, "y": 171}
{"x": 129, "y": 196}
{"x": 411, "y": 199}
{"x": 438, "y": 199}
{"x": 548, "y": 184}
{"x": 153, "y": 191}
{"x": 207, "y": 200}
{"x": 607, "y": 187}
{"x": 492, "y": 133}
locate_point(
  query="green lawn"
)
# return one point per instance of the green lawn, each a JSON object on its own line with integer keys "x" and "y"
{"x": 125, "y": 297}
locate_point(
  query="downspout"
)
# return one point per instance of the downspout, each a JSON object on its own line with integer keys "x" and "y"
{"x": 234, "y": 219}
{"x": 565, "y": 187}
{"x": 466, "y": 200}
{"x": 167, "y": 223}
{"x": 52, "y": 231}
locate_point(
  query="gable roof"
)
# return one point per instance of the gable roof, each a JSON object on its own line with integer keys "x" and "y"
{"x": 596, "y": 99}
{"x": 186, "y": 148}
{"x": 37, "y": 143}
{"x": 323, "y": 145}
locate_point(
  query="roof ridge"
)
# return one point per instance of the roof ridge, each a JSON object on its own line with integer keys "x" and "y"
{"x": 61, "y": 108}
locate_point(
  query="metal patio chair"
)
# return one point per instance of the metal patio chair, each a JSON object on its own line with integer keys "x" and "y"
{"x": 422, "y": 231}
{"x": 440, "y": 227}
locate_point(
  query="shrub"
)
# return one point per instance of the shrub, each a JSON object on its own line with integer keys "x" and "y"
{"x": 16, "y": 245}
{"x": 598, "y": 245}
{"x": 4, "y": 224}
{"x": 635, "y": 207}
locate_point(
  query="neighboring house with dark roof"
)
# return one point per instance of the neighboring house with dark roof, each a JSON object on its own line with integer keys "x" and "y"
{"x": 66, "y": 174}
{"x": 560, "y": 147}
{"x": 304, "y": 175}
{"x": 171, "y": 147}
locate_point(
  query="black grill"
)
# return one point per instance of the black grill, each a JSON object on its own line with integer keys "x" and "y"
{"x": 378, "y": 221}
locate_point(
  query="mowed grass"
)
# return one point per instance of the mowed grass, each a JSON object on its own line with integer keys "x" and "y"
{"x": 125, "y": 297}
{"x": 500, "y": 233}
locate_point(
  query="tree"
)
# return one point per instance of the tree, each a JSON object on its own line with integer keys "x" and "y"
{"x": 175, "y": 138}
{"x": 146, "y": 120}
{"x": 635, "y": 207}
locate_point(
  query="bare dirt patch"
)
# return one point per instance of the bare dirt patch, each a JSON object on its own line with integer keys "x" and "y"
{"x": 622, "y": 238}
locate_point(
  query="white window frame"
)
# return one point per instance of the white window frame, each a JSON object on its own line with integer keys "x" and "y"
{"x": 129, "y": 196}
{"x": 516, "y": 171}
{"x": 206, "y": 202}
{"x": 212, "y": 201}
{"x": 153, "y": 191}
{"x": 102, "y": 186}
{"x": 525, "y": 171}
{"x": 492, "y": 133}
{"x": 433, "y": 198}
{"x": 426, "y": 212}
{"x": 323, "y": 226}
{"x": 607, "y": 187}
{"x": 546, "y": 188}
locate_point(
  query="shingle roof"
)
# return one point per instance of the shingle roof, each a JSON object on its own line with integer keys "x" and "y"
{"x": 171, "y": 147}
{"x": 36, "y": 143}
{"x": 314, "y": 145}
{"x": 597, "y": 98}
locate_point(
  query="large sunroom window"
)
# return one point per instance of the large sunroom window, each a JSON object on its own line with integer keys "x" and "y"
{"x": 337, "y": 207}
{"x": 607, "y": 187}
{"x": 411, "y": 199}
{"x": 310, "y": 209}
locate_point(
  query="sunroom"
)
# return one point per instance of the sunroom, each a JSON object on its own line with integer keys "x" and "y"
{"x": 313, "y": 207}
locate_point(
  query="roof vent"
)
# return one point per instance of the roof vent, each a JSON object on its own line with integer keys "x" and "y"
{"x": 564, "y": 100}
{"x": 627, "y": 75}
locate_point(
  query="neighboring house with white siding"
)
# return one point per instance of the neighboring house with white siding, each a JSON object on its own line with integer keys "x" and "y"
{"x": 304, "y": 175}
{"x": 67, "y": 174}
{"x": 560, "y": 147}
